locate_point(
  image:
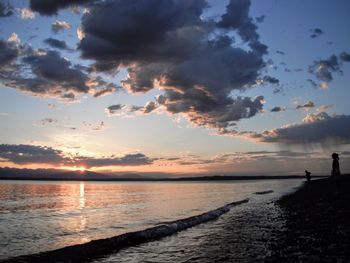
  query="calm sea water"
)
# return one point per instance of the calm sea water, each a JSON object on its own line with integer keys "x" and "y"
{"x": 39, "y": 216}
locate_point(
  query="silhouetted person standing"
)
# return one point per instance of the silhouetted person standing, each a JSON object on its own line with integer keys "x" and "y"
{"x": 308, "y": 176}
{"x": 335, "y": 165}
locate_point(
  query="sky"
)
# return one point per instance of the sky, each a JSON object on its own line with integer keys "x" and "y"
{"x": 175, "y": 87}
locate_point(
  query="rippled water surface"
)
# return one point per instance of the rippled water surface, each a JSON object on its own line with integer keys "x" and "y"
{"x": 38, "y": 216}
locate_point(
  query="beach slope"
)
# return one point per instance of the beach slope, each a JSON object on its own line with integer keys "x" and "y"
{"x": 317, "y": 223}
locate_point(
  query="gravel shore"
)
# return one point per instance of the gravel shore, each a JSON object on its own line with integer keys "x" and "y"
{"x": 317, "y": 220}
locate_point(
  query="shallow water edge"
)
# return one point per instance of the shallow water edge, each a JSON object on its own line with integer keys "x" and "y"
{"x": 95, "y": 248}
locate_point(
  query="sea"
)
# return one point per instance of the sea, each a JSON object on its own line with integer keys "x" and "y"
{"x": 38, "y": 216}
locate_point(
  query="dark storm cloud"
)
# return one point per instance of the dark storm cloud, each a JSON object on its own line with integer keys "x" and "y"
{"x": 45, "y": 7}
{"x": 55, "y": 43}
{"x": 31, "y": 154}
{"x": 26, "y": 154}
{"x": 316, "y": 32}
{"x": 6, "y": 9}
{"x": 278, "y": 109}
{"x": 307, "y": 105}
{"x": 166, "y": 43}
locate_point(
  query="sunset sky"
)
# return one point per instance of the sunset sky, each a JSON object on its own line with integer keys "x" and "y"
{"x": 169, "y": 87}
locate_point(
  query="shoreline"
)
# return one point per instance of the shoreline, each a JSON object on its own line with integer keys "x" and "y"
{"x": 180, "y": 179}
{"x": 317, "y": 223}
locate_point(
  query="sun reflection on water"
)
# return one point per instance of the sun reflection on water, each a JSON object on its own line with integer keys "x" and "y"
{"x": 82, "y": 195}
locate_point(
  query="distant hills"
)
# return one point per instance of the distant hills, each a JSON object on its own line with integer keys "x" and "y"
{"x": 59, "y": 174}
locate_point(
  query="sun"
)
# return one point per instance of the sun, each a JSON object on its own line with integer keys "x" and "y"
{"x": 75, "y": 168}
{"x": 81, "y": 169}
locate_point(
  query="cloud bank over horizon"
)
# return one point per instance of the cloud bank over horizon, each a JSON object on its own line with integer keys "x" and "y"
{"x": 31, "y": 154}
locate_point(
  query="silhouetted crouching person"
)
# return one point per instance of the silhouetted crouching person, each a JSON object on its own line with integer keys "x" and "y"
{"x": 335, "y": 165}
{"x": 308, "y": 176}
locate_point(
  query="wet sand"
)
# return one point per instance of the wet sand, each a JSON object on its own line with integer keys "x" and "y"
{"x": 317, "y": 223}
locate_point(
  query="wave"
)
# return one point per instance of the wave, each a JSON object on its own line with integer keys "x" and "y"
{"x": 101, "y": 247}
{"x": 264, "y": 192}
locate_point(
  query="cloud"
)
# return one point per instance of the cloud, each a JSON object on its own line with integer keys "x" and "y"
{"x": 260, "y": 19}
{"x": 344, "y": 56}
{"x": 93, "y": 127}
{"x": 313, "y": 83}
{"x": 237, "y": 18}
{"x": 311, "y": 117}
{"x": 323, "y": 108}
{"x": 26, "y": 154}
{"x": 111, "y": 110}
{"x": 55, "y": 43}
{"x": 104, "y": 92}
{"x": 319, "y": 128}
{"x": 30, "y": 154}
{"x": 44, "y": 78}
{"x": 149, "y": 107}
{"x": 26, "y": 13}
{"x": 44, "y": 65}
{"x": 59, "y": 25}
{"x": 46, "y": 121}
{"x": 323, "y": 69}
{"x": 99, "y": 87}
{"x": 167, "y": 44}
{"x": 126, "y": 160}
{"x": 35, "y": 72}
{"x": 131, "y": 110}
{"x": 316, "y": 32}
{"x": 14, "y": 38}
{"x": 9, "y": 51}
{"x": 271, "y": 80}
{"x": 6, "y": 9}
{"x": 51, "y": 7}
{"x": 306, "y": 106}
{"x": 278, "y": 109}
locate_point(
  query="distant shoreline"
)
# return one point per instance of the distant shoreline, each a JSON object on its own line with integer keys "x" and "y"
{"x": 180, "y": 179}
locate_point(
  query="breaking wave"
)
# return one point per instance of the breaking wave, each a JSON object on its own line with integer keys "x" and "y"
{"x": 100, "y": 247}
{"x": 264, "y": 192}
